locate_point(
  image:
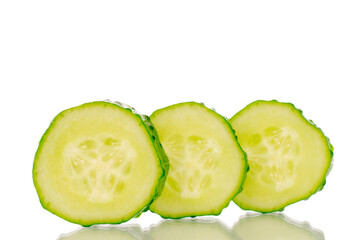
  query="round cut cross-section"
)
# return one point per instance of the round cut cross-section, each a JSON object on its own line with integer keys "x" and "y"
{"x": 99, "y": 163}
{"x": 207, "y": 165}
{"x": 289, "y": 156}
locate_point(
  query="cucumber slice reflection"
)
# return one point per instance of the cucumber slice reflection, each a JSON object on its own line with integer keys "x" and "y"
{"x": 274, "y": 227}
{"x": 209, "y": 229}
{"x": 104, "y": 233}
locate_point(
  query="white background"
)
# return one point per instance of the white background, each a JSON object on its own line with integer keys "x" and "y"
{"x": 149, "y": 54}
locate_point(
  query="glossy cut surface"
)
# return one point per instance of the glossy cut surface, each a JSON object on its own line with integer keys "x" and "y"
{"x": 207, "y": 165}
{"x": 98, "y": 163}
{"x": 289, "y": 157}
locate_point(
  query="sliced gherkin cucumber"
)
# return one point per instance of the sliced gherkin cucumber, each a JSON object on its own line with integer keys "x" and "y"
{"x": 274, "y": 227}
{"x": 207, "y": 165}
{"x": 99, "y": 163}
{"x": 289, "y": 156}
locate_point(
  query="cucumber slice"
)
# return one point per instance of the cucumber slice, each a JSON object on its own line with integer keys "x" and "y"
{"x": 273, "y": 227}
{"x": 289, "y": 156}
{"x": 190, "y": 230}
{"x": 99, "y": 163}
{"x": 207, "y": 165}
{"x": 104, "y": 233}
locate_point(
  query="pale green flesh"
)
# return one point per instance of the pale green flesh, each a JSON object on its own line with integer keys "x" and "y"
{"x": 289, "y": 157}
{"x": 193, "y": 162}
{"x": 86, "y": 169}
{"x": 207, "y": 165}
{"x": 98, "y": 167}
{"x": 274, "y": 227}
{"x": 190, "y": 230}
{"x": 282, "y": 147}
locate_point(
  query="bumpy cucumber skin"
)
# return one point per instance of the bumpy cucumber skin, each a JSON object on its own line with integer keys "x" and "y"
{"x": 164, "y": 160}
{"x": 246, "y": 165}
{"x": 162, "y": 157}
{"x": 330, "y": 159}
